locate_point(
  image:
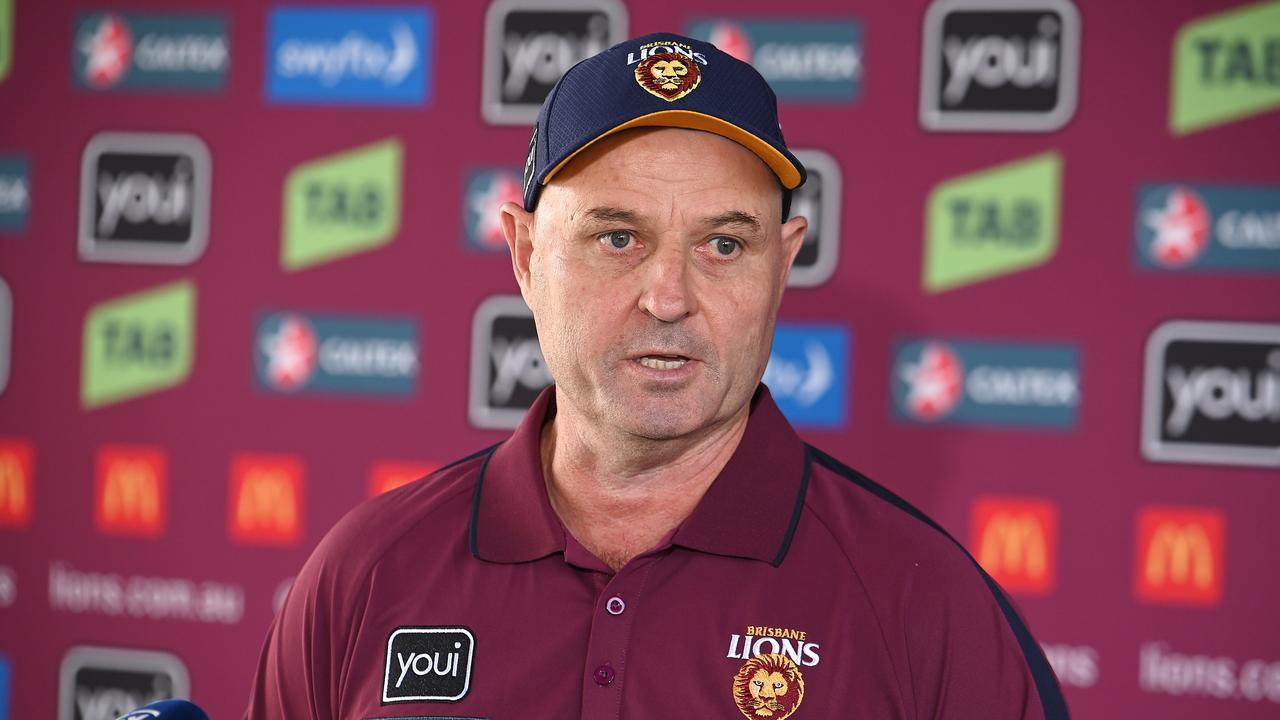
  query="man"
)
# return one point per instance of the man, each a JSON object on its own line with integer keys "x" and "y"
{"x": 654, "y": 540}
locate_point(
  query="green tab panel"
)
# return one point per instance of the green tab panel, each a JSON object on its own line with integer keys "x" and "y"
{"x": 6, "y": 37}
{"x": 138, "y": 344}
{"x": 993, "y": 222}
{"x": 342, "y": 205}
{"x": 1225, "y": 67}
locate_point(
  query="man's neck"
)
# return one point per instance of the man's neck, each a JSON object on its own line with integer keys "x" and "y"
{"x": 619, "y": 494}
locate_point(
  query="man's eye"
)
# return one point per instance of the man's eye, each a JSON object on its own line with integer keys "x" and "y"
{"x": 618, "y": 239}
{"x": 725, "y": 246}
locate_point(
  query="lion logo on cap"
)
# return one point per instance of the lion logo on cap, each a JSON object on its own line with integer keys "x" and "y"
{"x": 768, "y": 687}
{"x": 670, "y": 76}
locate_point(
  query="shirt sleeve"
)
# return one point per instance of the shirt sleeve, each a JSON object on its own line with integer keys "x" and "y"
{"x": 301, "y": 671}
{"x": 970, "y": 654}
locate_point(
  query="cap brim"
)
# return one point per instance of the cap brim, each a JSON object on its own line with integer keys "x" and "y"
{"x": 781, "y": 165}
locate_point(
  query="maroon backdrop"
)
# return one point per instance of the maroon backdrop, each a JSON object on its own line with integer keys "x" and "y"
{"x": 1091, "y": 294}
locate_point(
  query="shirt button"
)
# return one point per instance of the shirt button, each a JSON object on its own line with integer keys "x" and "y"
{"x": 604, "y": 674}
{"x": 615, "y": 606}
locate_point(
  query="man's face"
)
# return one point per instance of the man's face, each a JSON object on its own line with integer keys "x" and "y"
{"x": 654, "y": 267}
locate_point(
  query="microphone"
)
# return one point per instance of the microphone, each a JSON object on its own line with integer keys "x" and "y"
{"x": 166, "y": 710}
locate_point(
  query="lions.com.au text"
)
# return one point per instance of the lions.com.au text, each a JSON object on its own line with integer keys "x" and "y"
{"x": 151, "y": 598}
{"x": 1163, "y": 670}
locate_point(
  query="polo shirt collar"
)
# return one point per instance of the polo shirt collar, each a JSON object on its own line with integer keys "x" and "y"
{"x": 750, "y": 510}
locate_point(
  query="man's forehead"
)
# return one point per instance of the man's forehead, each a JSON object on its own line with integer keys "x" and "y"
{"x": 705, "y": 217}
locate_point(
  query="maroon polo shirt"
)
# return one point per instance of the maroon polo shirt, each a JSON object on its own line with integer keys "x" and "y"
{"x": 796, "y": 588}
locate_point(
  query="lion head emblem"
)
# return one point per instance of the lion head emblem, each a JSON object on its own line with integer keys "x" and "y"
{"x": 768, "y": 687}
{"x": 670, "y": 76}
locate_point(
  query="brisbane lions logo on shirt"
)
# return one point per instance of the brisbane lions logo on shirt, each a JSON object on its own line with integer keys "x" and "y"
{"x": 768, "y": 686}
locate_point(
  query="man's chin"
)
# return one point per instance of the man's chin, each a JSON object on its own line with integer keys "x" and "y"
{"x": 661, "y": 418}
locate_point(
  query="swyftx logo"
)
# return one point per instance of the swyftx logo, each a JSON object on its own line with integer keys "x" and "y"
{"x": 377, "y": 56}
{"x": 144, "y": 198}
{"x": 808, "y": 373}
{"x": 1212, "y": 394}
{"x": 1006, "y": 65}
{"x": 428, "y": 664}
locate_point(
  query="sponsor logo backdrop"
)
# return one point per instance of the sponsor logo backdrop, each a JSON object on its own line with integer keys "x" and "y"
{"x": 251, "y": 277}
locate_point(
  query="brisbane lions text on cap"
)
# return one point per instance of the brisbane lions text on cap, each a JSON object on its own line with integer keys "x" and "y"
{"x": 658, "y": 80}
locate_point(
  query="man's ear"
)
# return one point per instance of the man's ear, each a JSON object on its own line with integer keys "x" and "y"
{"x": 793, "y": 232}
{"x": 517, "y": 228}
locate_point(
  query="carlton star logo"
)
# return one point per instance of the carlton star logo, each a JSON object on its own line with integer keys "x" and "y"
{"x": 936, "y": 382}
{"x": 1181, "y": 228}
{"x": 668, "y": 75}
{"x": 108, "y": 51}
{"x": 768, "y": 686}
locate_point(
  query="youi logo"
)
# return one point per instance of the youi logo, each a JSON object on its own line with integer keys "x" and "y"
{"x": 378, "y": 56}
{"x": 808, "y": 374}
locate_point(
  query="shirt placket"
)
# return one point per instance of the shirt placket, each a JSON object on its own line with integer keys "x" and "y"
{"x": 606, "y": 660}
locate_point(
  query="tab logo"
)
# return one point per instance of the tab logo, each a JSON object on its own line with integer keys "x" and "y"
{"x": 266, "y": 500}
{"x": 1225, "y": 68}
{"x": 507, "y": 367}
{"x": 1212, "y": 394}
{"x": 992, "y": 223}
{"x": 808, "y": 373}
{"x": 485, "y": 192}
{"x": 386, "y": 476}
{"x": 1208, "y": 227}
{"x": 131, "y": 491}
{"x": 15, "y": 193}
{"x": 1021, "y": 385}
{"x": 818, "y": 200}
{"x": 804, "y": 61}
{"x": 144, "y": 198}
{"x": 138, "y": 344}
{"x": 17, "y": 462}
{"x": 99, "y": 683}
{"x": 6, "y": 38}
{"x": 428, "y": 664}
{"x": 342, "y": 204}
{"x": 338, "y": 354}
{"x": 1016, "y": 542}
{"x": 529, "y": 45}
{"x": 354, "y": 55}
{"x": 1004, "y": 65}
{"x": 1180, "y": 556}
{"x": 153, "y": 51}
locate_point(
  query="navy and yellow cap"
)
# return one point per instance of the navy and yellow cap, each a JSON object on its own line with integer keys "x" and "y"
{"x": 659, "y": 80}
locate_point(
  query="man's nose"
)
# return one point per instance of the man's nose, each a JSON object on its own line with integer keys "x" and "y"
{"x": 668, "y": 292}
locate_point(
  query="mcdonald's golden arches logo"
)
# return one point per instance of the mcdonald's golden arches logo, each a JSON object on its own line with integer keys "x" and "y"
{"x": 131, "y": 491}
{"x": 1016, "y": 542}
{"x": 17, "y": 460}
{"x": 1180, "y": 553}
{"x": 389, "y": 475}
{"x": 266, "y": 502}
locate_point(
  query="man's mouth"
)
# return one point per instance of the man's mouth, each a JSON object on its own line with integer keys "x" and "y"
{"x": 663, "y": 362}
